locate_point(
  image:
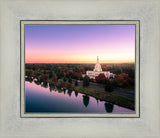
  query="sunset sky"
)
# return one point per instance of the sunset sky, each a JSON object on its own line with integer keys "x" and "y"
{"x": 79, "y": 43}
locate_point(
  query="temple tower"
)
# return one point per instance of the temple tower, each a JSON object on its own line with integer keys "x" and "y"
{"x": 97, "y": 67}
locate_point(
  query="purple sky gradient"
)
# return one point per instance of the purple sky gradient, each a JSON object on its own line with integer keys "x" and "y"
{"x": 79, "y": 43}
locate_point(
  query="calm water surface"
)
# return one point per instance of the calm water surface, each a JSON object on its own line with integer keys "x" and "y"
{"x": 50, "y": 99}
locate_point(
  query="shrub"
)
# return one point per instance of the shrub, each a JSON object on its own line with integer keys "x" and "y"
{"x": 109, "y": 86}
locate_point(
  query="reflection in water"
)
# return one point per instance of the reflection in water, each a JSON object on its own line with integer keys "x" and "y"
{"x": 45, "y": 85}
{"x": 97, "y": 100}
{"x": 60, "y": 90}
{"x": 69, "y": 92}
{"x": 38, "y": 100}
{"x": 55, "y": 89}
{"x": 51, "y": 87}
{"x": 76, "y": 93}
{"x": 37, "y": 82}
{"x": 29, "y": 79}
{"x": 109, "y": 107}
{"x": 85, "y": 100}
{"x": 64, "y": 90}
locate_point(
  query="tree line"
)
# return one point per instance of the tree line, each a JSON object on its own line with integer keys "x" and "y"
{"x": 61, "y": 73}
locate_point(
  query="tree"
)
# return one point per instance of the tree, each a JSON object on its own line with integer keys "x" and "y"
{"x": 86, "y": 81}
{"x": 77, "y": 75}
{"x": 44, "y": 77}
{"x": 44, "y": 72}
{"x": 69, "y": 86}
{"x": 29, "y": 73}
{"x": 101, "y": 78}
{"x": 37, "y": 74}
{"x": 64, "y": 79}
{"x": 60, "y": 83}
{"x": 70, "y": 80}
{"x": 54, "y": 79}
{"x": 109, "y": 86}
{"x": 50, "y": 74}
{"x": 76, "y": 83}
{"x": 123, "y": 80}
{"x": 60, "y": 75}
{"x": 69, "y": 73}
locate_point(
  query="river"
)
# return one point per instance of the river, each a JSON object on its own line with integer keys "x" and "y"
{"x": 45, "y": 99}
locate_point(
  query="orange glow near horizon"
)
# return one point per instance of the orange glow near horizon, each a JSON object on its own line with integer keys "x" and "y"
{"x": 113, "y": 57}
{"x": 78, "y": 61}
{"x": 79, "y": 43}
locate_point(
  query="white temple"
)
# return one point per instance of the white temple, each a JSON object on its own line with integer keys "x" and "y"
{"x": 98, "y": 70}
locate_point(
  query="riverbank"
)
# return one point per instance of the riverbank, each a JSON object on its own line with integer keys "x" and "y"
{"x": 127, "y": 93}
{"x": 104, "y": 96}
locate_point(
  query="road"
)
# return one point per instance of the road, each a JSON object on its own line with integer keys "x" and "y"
{"x": 121, "y": 92}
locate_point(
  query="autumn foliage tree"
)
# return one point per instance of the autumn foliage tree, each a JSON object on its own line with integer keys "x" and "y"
{"x": 29, "y": 73}
{"x": 69, "y": 73}
{"x": 77, "y": 75}
{"x": 123, "y": 80}
{"x": 54, "y": 79}
{"x": 125, "y": 73}
{"x": 36, "y": 74}
{"x": 101, "y": 78}
{"x": 68, "y": 85}
{"x": 44, "y": 77}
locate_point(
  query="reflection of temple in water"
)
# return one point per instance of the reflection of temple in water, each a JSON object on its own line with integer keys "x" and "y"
{"x": 85, "y": 100}
{"x": 109, "y": 107}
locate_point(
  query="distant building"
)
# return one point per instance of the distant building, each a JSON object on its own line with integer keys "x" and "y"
{"x": 98, "y": 70}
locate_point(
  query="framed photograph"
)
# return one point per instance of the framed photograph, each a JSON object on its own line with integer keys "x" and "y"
{"x": 74, "y": 69}
{"x": 80, "y": 68}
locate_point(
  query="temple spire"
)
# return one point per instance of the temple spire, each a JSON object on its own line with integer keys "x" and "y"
{"x": 97, "y": 67}
{"x": 97, "y": 59}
